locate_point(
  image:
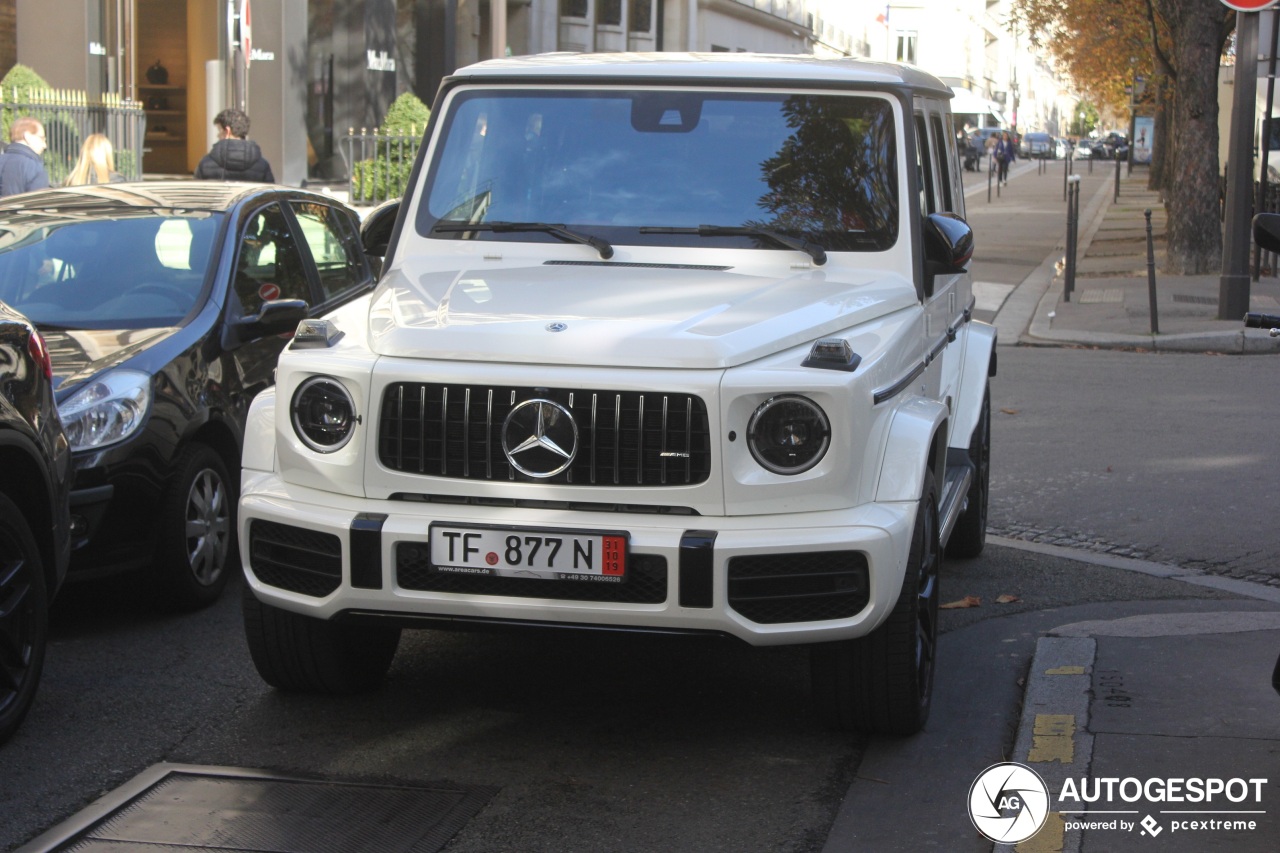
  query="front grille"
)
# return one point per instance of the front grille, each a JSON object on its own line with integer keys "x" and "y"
{"x": 625, "y": 438}
{"x": 772, "y": 588}
{"x": 295, "y": 558}
{"x": 646, "y": 581}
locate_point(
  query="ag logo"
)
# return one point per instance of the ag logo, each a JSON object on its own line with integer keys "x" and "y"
{"x": 1008, "y": 803}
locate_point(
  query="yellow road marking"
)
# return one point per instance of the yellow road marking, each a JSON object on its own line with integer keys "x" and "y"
{"x": 1048, "y": 839}
{"x": 1052, "y": 738}
{"x": 1065, "y": 670}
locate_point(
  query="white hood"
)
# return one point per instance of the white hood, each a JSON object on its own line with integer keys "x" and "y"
{"x": 621, "y": 316}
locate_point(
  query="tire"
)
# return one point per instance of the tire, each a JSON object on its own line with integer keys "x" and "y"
{"x": 883, "y": 683}
{"x": 24, "y": 618}
{"x": 197, "y": 551}
{"x": 303, "y": 654}
{"x": 969, "y": 536}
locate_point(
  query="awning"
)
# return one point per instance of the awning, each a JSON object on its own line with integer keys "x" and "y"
{"x": 967, "y": 103}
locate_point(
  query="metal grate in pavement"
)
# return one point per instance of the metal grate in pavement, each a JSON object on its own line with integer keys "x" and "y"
{"x": 1195, "y": 300}
{"x": 1094, "y": 295}
{"x": 194, "y": 808}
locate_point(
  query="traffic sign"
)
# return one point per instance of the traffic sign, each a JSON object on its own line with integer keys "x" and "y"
{"x": 1249, "y": 5}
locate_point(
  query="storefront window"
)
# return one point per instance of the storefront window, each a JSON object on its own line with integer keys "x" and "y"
{"x": 610, "y": 13}
{"x": 573, "y": 8}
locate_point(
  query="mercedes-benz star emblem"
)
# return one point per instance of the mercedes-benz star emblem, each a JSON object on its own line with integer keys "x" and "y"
{"x": 540, "y": 438}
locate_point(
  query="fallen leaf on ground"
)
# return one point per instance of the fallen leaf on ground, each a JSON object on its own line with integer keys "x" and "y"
{"x": 1007, "y": 599}
{"x": 1010, "y": 411}
{"x": 967, "y": 601}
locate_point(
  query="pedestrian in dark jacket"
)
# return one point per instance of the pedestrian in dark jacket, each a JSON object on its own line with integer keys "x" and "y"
{"x": 21, "y": 169}
{"x": 234, "y": 158}
{"x": 1006, "y": 153}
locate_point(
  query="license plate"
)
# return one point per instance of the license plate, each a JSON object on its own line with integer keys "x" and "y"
{"x": 529, "y": 553}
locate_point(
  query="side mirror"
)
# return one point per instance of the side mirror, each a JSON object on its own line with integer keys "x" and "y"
{"x": 376, "y": 228}
{"x": 948, "y": 243}
{"x": 275, "y": 317}
{"x": 948, "y": 246}
{"x": 1266, "y": 231}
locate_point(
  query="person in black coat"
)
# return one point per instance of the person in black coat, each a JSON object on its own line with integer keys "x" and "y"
{"x": 233, "y": 157}
{"x": 1006, "y": 153}
{"x": 21, "y": 169}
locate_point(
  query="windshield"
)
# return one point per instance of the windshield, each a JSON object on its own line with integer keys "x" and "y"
{"x": 135, "y": 272}
{"x": 610, "y": 163}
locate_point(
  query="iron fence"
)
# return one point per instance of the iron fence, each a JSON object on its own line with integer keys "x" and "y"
{"x": 378, "y": 164}
{"x": 69, "y": 116}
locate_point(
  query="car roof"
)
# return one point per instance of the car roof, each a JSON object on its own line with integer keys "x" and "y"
{"x": 764, "y": 68}
{"x": 144, "y": 195}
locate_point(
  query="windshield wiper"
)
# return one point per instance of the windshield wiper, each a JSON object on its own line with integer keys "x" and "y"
{"x": 813, "y": 250}
{"x": 569, "y": 236}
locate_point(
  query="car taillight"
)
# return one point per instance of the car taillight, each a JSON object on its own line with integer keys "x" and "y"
{"x": 40, "y": 353}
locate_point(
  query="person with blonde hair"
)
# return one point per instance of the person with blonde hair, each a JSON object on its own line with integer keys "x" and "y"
{"x": 97, "y": 163}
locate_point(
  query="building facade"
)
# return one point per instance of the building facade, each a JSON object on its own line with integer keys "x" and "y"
{"x": 309, "y": 71}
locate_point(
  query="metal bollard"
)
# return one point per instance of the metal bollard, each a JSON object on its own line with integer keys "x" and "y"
{"x": 1073, "y": 217}
{"x": 1117, "y": 195}
{"x": 991, "y": 171}
{"x": 1066, "y": 171}
{"x": 1151, "y": 276}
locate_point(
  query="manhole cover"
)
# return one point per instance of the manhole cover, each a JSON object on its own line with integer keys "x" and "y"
{"x": 184, "y": 807}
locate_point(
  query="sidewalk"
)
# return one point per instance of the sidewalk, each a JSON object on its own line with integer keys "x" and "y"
{"x": 1178, "y": 692}
{"x": 1110, "y": 304}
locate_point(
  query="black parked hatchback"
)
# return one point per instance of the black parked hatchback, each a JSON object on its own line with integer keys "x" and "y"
{"x": 35, "y": 474}
{"x": 165, "y": 305}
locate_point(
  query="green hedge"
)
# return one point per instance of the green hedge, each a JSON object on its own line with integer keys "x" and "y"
{"x": 386, "y": 176}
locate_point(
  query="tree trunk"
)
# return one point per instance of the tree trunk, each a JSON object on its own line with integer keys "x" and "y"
{"x": 1161, "y": 133}
{"x": 1194, "y": 237}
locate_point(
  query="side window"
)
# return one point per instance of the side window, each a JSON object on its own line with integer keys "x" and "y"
{"x": 269, "y": 265}
{"x": 334, "y": 247}
{"x": 924, "y": 169}
{"x": 943, "y": 161}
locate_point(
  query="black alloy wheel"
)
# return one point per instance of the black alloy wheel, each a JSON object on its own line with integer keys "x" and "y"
{"x": 24, "y": 618}
{"x": 969, "y": 536}
{"x": 883, "y": 683}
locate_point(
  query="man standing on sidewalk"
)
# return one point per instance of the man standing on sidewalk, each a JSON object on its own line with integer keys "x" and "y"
{"x": 233, "y": 157}
{"x": 21, "y": 169}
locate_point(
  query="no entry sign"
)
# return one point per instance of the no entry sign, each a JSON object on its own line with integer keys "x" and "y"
{"x": 1249, "y": 5}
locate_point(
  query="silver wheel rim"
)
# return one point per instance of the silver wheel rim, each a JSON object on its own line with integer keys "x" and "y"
{"x": 208, "y": 527}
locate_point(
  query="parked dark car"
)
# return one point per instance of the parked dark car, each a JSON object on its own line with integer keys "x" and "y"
{"x": 1039, "y": 145}
{"x": 35, "y": 476}
{"x": 165, "y": 306}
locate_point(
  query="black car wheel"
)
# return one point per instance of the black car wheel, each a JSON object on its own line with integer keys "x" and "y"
{"x": 883, "y": 683}
{"x": 304, "y": 654}
{"x": 24, "y": 617}
{"x": 197, "y": 552}
{"x": 969, "y": 536}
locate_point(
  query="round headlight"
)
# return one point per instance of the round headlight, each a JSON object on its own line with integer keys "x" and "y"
{"x": 788, "y": 434}
{"x": 324, "y": 416}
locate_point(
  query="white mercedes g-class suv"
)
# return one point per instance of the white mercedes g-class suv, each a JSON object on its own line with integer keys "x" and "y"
{"x": 672, "y": 343}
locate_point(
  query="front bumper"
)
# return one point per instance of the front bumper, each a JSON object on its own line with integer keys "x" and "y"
{"x": 768, "y": 580}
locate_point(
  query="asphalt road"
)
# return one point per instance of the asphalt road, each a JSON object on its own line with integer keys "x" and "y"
{"x": 594, "y": 744}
